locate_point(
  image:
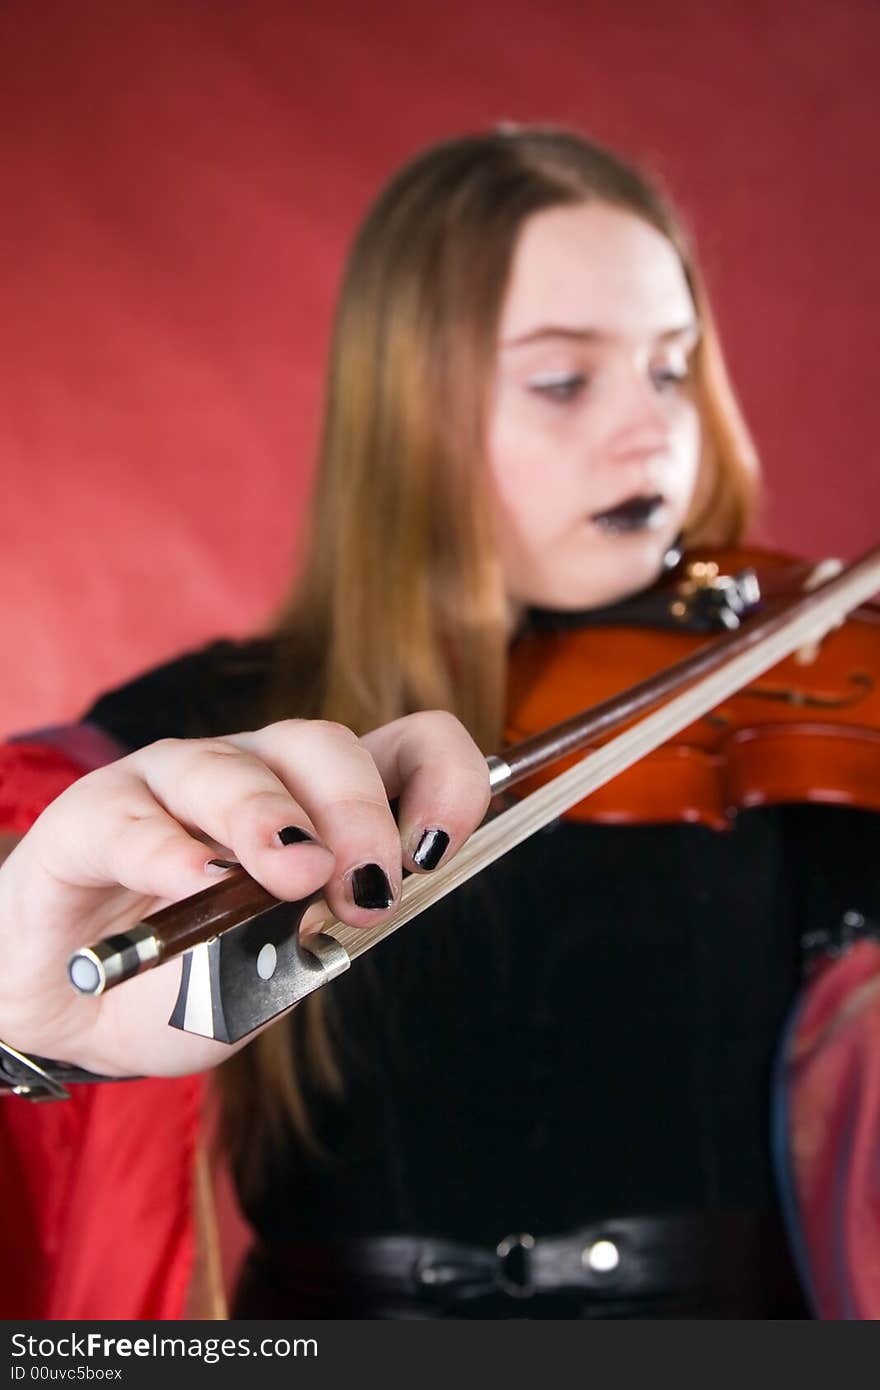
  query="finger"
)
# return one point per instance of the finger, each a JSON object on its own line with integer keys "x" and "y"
{"x": 333, "y": 776}
{"x": 142, "y": 825}
{"x": 232, "y": 794}
{"x": 115, "y": 832}
{"x": 432, "y": 764}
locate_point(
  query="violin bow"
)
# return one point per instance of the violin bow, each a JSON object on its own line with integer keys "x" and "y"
{"x": 249, "y": 957}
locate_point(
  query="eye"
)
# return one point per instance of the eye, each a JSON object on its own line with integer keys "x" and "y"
{"x": 559, "y": 386}
{"x": 670, "y": 378}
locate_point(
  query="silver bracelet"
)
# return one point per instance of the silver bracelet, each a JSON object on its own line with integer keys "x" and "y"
{"x": 41, "y": 1078}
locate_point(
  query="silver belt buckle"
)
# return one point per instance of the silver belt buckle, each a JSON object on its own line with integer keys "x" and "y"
{"x": 514, "y": 1274}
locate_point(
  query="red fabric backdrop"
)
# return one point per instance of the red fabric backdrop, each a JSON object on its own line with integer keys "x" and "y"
{"x": 181, "y": 179}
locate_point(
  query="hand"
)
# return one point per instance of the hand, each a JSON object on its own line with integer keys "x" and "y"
{"x": 302, "y": 805}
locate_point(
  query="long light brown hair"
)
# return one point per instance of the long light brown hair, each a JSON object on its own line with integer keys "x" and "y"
{"x": 400, "y": 603}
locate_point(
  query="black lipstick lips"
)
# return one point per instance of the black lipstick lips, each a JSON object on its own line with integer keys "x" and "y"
{"x": 634, "y": 514}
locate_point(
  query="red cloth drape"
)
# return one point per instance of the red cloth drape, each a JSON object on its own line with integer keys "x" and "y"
{"x": 98, "y": 1189}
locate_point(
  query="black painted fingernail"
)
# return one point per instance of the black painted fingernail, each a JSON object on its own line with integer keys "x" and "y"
{"x": 295, "y": 835}
{"x": 431, "y": 849}
{"x": 371, "y": 887}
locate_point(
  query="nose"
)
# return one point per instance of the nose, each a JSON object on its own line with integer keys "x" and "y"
{"x": 639, "y": 421}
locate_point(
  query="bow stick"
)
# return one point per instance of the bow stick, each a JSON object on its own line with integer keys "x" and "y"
{"x": 245, "y": 961}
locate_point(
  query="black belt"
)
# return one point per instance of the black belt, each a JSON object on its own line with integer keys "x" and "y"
{"x": 723, "y": 1264}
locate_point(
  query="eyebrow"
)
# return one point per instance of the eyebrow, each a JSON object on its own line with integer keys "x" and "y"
{"x": 593, "y": 335}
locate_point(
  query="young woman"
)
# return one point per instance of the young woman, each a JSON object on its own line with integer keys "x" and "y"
{"x": 550, "y": 1097}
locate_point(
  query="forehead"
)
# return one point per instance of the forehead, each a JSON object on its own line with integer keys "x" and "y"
{"x": 596, "y": 267}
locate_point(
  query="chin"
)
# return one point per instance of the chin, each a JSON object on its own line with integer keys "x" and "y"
{"x": 626, "y": 566}
{"x": 646, "y": 556}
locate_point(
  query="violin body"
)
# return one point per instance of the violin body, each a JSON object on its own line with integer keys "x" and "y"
{"x": 809, "y": 730}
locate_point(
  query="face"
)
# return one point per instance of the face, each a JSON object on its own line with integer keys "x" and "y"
{"x": 593, "y": 434}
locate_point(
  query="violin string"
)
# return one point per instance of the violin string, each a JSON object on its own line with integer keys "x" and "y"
{"x": 552, "y": 800}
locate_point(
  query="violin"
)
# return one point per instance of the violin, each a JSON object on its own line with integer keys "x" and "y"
{"x": 808, "y": 730}
{"x": 698, "y": 715}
